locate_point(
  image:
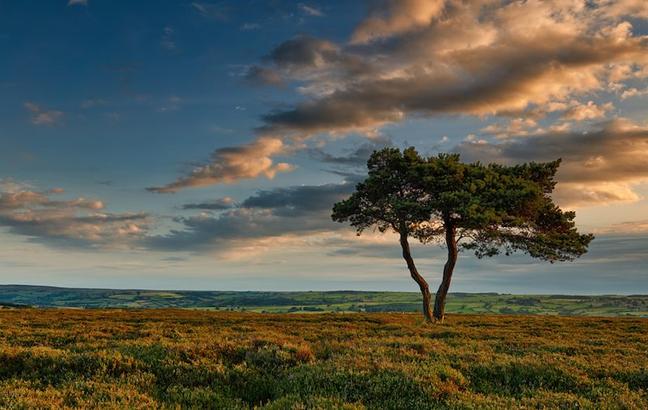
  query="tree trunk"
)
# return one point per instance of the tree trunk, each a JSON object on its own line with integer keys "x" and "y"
{"x": 425, "y": 289}
{"x": 453, "y": 252}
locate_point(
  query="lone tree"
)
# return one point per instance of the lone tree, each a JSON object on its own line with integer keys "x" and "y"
{"x": 488, "y": 209}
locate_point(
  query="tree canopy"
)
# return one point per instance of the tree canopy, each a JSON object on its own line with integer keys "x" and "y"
{"x": 485, "y": 208}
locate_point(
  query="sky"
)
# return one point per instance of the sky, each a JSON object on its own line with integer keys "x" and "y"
{"x": 201, "y": 144}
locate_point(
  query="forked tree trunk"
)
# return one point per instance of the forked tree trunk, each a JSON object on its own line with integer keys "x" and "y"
{"x": 453, "y": 252}
{"x": 425, "y": 289}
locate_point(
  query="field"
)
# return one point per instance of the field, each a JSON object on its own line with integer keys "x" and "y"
{"x": 178, "y": 358}
{"x": 338, "y": 301}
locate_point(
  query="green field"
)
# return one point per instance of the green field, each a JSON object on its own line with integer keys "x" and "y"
{"x": 160, "y": 358}
{"x": 338, "y": 301}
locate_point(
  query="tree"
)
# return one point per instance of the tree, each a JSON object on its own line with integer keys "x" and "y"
{"x": 390, "y": 199}
{"x": 488, "y": 209}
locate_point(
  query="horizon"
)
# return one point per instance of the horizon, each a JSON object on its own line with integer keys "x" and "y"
{"x": 318, "y": 291}
{"x": 201, "y": 145}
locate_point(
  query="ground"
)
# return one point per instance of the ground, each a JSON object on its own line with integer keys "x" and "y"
{"x": 317, "y": 301}
{"x": 56, "y": 358}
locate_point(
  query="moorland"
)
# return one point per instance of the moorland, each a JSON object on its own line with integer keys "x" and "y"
{"x": 180, "y": 358}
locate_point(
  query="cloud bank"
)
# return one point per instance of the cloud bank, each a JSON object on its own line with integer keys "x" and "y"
{"x": 78, "y": 222}
{"x": 421, "y": 58}
{"x": 266, "y": 219}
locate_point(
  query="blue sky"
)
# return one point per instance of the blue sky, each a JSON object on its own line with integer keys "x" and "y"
{"x": 200, "y": 145}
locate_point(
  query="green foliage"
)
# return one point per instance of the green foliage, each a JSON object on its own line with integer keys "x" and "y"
{"x": 390, "y": 197}
{"x": 493, "y": 208}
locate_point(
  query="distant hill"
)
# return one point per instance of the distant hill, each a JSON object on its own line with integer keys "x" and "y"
{"x": 12, "y": 296}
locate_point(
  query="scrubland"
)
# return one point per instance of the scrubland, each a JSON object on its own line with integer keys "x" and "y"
{"x": 58, "y": 358}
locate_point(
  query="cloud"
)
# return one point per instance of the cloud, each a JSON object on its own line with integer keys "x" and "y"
{"x": 481, "y": 58}
{"x": 299, "y": 200}
{"x": 268, "y": 216}
{"x": 391, "y": 17}
{"x": 215, "y": 205}
{"x": 263, "y": 75}
{"x": 92, "y": 103}
{"x": 217, "y": 11}
{"x": 167, "y": 41}
{"x": 572, "y": 112}
{"x": 77, "y": 3}
{"x": 589, "y": 111}
{"x": 601, "y": 164}
{"x": 40, "y": 116}
{"x": 624, "y": 8}
{"x": 499, "y": 60}
{"x": 297, "y": 218}
{"x": 172, "y": 103}
{"x": 74, "y": 222}
{"x": 633, "y": 92}
{"x": 419, "y": 58}
{"x": 356, "y": 158}
{"x": 310, "y": 10}
{"x": 231, "y": 164}
{"x": 316, "y": 62}
{"x": 303, "y": 51}
{"x": 250, "y": 26}
{"x": 514, "y": 127}
{"x": 629, "y": 227}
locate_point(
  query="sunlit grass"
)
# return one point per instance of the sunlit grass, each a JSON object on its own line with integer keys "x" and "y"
{"x": 223, "y": 360}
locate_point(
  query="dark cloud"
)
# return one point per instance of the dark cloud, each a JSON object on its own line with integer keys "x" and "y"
{"x": 263, "y": 76}
{"x": 357, "y": 158}
{"x": 214, "y": 205}
{"x": 303, "y": 51}
{"x": 299, "y": 200}
{"x": 280, "y": 212}
{"x": 305, "y": 58}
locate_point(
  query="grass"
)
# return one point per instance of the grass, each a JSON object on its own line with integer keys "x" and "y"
{"x": 57, "y": 358}
{"x": 337, "y": 301}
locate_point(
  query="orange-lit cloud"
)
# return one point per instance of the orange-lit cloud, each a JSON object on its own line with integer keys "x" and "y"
{"x": 229, "y": 165}
{"x": 601, "y": 164}
{"x": 395, "y": 17}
